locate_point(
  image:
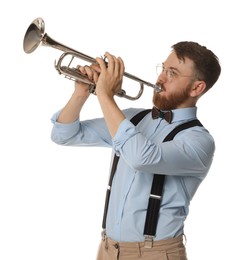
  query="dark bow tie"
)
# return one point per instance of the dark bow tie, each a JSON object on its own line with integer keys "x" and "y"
{"x": 167, "y": 115}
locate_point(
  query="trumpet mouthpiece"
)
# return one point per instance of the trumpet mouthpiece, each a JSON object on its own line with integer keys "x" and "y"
{"x": 157, "y": 88}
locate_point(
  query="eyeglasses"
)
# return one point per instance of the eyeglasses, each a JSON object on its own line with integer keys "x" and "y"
{"x": 170, "y": 73}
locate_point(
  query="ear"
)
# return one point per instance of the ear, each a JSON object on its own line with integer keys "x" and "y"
{"x": 198, "y": 88}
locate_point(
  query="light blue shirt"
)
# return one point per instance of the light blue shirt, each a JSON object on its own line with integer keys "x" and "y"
{"x": 185, "y": 160}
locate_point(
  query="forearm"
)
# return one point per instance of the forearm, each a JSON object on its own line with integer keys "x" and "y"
{"x": 72, "y": 109}
{"x": 111, "y": 112}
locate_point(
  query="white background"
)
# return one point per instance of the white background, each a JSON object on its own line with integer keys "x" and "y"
{"x": 51, "y": 197}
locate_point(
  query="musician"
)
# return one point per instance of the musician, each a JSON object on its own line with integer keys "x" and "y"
{"x": 188, "y": 72}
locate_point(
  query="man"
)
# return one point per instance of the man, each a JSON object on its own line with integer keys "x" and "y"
{"x": 189, "y": 72}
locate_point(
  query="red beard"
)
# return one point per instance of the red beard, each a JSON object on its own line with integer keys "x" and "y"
{"x": 171, "y": 101}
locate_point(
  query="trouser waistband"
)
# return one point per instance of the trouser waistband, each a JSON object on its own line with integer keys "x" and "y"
{"x": 166, "y": 243}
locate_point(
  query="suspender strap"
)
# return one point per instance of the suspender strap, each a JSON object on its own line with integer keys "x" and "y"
{"x": 135, "y": 120}
{"x": 138, "y": 117}
{"x": 157, "y": 189}
{"x": 154, "y": 205}
{"x": 114, "y": 166}
{"x": 181, "y": 127}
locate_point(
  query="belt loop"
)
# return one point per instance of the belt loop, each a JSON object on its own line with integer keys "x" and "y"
{"x": 148, "y": 241}
{"x": 184, "y": 239}
{"x": 117, "y": 247}
{"x": 104, "y": 238}
{"x": 106, "y": 243}
{"x": 138, "y": 248}
{"x": 103, "y": 234}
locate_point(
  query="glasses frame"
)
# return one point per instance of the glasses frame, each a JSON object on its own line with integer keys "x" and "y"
{"x": 171, "y": 73}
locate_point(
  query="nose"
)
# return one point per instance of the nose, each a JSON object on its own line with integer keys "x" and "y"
{"x": 160, "y": 84}
{"x": 161, "y": 78}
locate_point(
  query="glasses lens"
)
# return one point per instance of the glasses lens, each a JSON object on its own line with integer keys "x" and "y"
{"x": 159, "y": 69}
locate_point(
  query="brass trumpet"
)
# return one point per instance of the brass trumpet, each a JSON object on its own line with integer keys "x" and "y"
{"x": 35, "y": 36}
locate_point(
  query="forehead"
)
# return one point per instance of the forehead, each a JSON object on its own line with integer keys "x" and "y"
{"x": 172, "y": 61}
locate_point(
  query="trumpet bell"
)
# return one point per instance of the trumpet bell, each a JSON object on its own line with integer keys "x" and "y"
{"x": 34, "y": 35}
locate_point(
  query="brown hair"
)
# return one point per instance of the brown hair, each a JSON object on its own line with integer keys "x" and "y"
{"x": 207, "y": 66}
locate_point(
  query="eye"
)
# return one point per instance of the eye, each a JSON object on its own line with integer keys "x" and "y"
{"x": 171, "y": 73}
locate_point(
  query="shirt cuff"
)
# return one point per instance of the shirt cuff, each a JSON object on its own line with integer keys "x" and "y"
{"x": 125, "y": 131}
{"x": 62, "y": 132}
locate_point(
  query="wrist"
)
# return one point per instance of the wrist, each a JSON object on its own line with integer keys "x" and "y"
{"x": 104, "y": 97}
{"x": 80, "y": 95}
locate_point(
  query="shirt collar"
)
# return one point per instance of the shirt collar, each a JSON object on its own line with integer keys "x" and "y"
{"x": 184, "y": 114}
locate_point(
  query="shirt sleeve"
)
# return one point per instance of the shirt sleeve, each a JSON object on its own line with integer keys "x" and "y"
{"x": 190, "y": 153}
{"x": 81, "y": 133}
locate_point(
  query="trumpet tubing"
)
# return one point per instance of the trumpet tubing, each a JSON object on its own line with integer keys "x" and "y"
{"x": 36, "y": 36}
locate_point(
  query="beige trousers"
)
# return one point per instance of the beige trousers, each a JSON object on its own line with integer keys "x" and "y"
{"x": 169, "y": 249}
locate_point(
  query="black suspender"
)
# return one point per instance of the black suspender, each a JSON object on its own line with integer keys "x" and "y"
{"x": 157, "y": 184}
{"x": 157, "y": 190}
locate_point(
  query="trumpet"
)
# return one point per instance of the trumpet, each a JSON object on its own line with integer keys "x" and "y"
{"x": 36, "y": 36}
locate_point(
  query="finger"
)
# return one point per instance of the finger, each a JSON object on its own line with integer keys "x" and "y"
{"x": 85, "y": 70}
{"x": 96, "y": 67}
{"x": 101, "y": 64}
{"x": 81, "y": 69}
{"x": 111, "y": 61}
{"x": 89, "y": 72}
{"x": 96, "y": 70}
{"x": 121, "y": 66}
{"x": 95, "y": 76}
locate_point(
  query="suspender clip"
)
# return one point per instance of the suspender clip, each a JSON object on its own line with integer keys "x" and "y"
{"x": 148, "y": 241}
{"x": 103, "y": 234}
